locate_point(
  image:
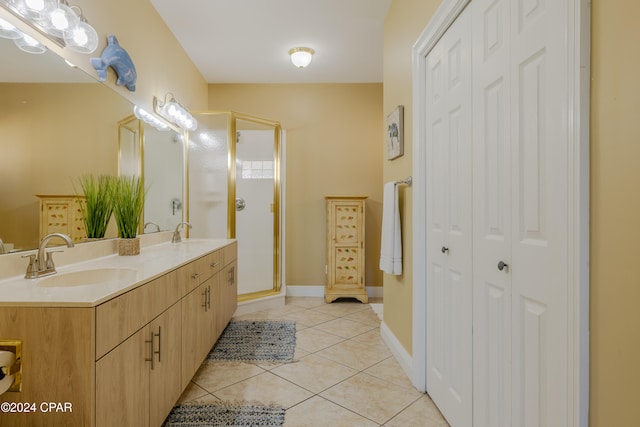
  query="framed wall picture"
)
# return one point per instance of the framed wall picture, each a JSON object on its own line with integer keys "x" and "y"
{"x": 395, "y": 133}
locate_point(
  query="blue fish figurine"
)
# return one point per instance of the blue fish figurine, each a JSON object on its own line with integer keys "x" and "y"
{"x": 116, "y": 57}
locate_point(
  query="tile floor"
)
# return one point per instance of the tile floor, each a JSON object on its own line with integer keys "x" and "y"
{"x": 344, "y": 374}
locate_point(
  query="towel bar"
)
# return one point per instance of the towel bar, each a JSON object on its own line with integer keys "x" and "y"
{"x": 408, "y": 180}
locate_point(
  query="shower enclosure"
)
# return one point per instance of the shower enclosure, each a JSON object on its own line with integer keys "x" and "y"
{"x": 235, "y": 191}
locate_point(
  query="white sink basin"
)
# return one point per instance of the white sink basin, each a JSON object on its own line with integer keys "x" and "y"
{"x": 88, "y": 277}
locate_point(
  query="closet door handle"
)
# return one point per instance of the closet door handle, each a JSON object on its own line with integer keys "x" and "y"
{"x": 444, "y": 249}
{"x": 502, "y": 265}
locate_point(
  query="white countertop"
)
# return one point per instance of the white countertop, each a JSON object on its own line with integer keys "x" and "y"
{"x": 152, "y": 262}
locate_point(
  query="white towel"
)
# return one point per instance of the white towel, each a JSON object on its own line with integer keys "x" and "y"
{"x": 391, "y": 244}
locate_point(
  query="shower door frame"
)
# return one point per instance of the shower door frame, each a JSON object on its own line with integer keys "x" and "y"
{"x": 232, "y": 119}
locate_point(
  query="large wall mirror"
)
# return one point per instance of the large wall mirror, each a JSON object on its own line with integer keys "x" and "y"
{"x": 57, "y": 123}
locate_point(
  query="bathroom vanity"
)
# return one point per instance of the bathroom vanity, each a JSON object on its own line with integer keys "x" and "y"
{"x": 120, "y": 349}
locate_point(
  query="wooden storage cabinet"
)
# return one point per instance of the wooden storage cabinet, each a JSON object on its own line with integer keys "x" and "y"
{"x": 345, "y": 248}
{"x": 62, "y": 214}
{"x": 122, "y": 363}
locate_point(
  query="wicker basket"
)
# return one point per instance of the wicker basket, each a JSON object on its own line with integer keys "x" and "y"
{"x": 129, "y": 246}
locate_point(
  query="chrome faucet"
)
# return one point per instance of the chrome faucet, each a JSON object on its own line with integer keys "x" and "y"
{"x": 152, "y": 223}
{"x": 42, "y": 264}
{"x": 176, "y": 234}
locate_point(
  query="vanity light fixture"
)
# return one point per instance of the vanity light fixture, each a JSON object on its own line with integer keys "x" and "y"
{"x": 175, "y": 112}
{"x": 66, "y": 25}
{"x": 59, "y": 19}
{"x": 82, "y": 37}
{"x": 33, "y": 9}
{"x": 301, "y": 56}
{"x": 149, "y": 118}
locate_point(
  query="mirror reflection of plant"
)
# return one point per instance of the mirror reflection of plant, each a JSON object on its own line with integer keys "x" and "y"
{"x": 128, "y": 195}
{"x": 96, "y": 207}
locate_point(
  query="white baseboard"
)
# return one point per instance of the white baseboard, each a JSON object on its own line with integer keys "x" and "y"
{"x": 318, "y": 291}
{"x": 403, "y": 358}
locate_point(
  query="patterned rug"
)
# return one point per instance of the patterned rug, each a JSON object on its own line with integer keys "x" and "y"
{"x": 256, "y": 341}
{"x": 225, "y": 414}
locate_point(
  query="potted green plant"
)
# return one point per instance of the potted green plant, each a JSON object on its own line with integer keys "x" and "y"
{"x": 96, "y": 207}
{"x": 128, "y": 195}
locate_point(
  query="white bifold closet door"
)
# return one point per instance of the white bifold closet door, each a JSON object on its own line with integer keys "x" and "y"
{"x": 449, "y": 222}
{"x": 520, "y": 213}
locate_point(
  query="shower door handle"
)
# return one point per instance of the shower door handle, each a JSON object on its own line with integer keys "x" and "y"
{"x": 240, "y": 204}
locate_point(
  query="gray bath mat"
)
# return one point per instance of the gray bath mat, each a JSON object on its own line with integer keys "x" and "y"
{"x": 256, "y": 341}
{"x": 225, "y": 414}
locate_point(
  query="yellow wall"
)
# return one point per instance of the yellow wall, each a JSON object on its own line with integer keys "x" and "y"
{"x": 333, "y": 140}
{"x": 615, "y": 209}
{"x": 403, "y": 25}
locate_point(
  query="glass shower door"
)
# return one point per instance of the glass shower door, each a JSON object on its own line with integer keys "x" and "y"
{"x": 234, "y": 192}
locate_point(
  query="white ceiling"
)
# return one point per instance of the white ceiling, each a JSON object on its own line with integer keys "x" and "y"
{"x": 246, "y": 41}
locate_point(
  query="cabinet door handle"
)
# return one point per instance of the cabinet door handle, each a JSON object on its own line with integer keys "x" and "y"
{"x": 204, "y": 294}
{"x": 214, "y": 264}
{"x": 208, "y": 297}
{"x": 502, "y": 265}
{"x": 159, "y": 335}
{"x": 232, "y": 276}
{"x": 196, "y": 275}
{"x": 152, "y": 347}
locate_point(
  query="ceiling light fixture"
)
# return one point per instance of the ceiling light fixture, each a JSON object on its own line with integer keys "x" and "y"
{"x": 301, "y": 56}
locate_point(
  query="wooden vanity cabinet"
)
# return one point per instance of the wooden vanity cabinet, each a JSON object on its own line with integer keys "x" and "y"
{"x": 126, "y": 361}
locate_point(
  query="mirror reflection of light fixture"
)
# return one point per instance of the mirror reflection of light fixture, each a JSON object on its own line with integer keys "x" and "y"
{"x": 175, "y": 112}
{"x": 28, "y": 44}
{"x": 301, "y": 56}
{"x": 149, "y": 118}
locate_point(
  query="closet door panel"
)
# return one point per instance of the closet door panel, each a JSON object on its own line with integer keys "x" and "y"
{"x": 449, "y": 244}
{"x": 491, "y": 214}
{"x": 539, "y": 242}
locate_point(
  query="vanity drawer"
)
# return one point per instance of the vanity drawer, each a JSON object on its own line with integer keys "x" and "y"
{"x": 199, "y": 271}
{"x": 215, "y": 262}
{"x": 121, "y": 317}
